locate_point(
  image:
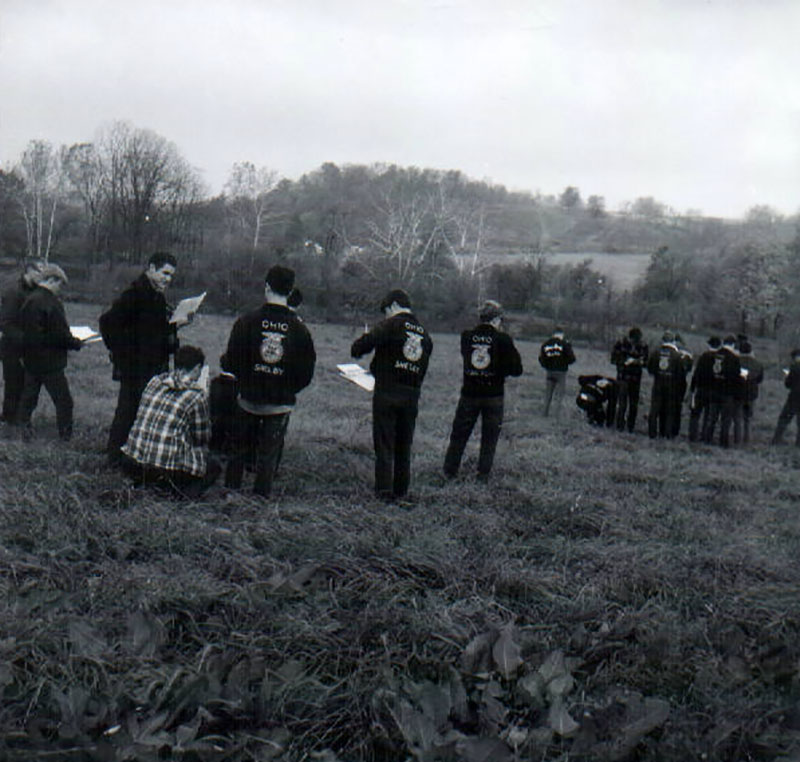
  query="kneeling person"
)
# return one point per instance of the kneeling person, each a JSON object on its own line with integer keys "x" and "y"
{"x": 595, "y": 392}
{"x": 168, "y": 440}
{"x": 489, "y": 356}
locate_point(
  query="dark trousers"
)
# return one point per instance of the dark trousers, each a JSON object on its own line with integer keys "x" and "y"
{"x": 393, "y": 422}
{"x": 490, "y": 410}
{"x": 258, "y": 437}
{"x": 663, "y": 410}
{"x": 747, "y": 417}
{"x": 58, "y": 389}
{"x": 130, "y": 394}
{"x": 179, "y": 484}
{"x": 698, "y": 416}
{"x": 725, "y": 410}
{"x": 13, "y": 380}
{"x": 628, "y": 393}
{"x": 789, "y": 411}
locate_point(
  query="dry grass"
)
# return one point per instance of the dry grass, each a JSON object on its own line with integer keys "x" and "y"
{"x": 325, "y": 624}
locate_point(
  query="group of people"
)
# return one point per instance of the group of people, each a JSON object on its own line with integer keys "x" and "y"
{"x": 722, "y": 391}
{"x": 168, "y": 422}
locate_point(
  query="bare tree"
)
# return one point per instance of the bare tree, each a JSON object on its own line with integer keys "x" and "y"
{"x": 84, "y": 169}
{"x": 250, "y": 190}
{"x": 41, "y": 172}
{"x": 148, "y": 187}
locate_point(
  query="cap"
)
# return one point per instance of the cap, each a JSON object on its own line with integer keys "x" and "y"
{"x": 490, "y": 310}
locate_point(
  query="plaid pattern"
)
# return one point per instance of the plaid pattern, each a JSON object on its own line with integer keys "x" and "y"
{"x": 172, "y": 426}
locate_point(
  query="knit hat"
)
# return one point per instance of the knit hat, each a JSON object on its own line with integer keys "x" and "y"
{"x": 745, "y": 347}
{"x": 490, "y": 310}
{"x": 280, "y": 279}
{"x": 396, "y": 295}
{"x": 714, "y": 342}
{"x": 50, "y": 270}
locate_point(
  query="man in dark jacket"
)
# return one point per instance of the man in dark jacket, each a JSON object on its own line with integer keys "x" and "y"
{"x": 686, "y": 368}
{"x": 138, "y": 334}
{"x": 791, "y": 407}
{"x": 11, "y": 343}
{"x": 46, "y": 340}
{"x": 753, "y": 375}
{"x": 489, "y": 357}
{"x": 726, "y": 383}
{"x": 597, "y": 397}
{"x": 271, "y": 354}
{"x": 555, "y": 356}
{"x": 630, "y": 356}
{"x": 700, "y": 389}
{"x": 402, "y": 350}
{"x": 666, "y": 367}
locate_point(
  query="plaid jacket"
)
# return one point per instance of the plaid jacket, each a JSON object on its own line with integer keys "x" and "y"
{"x": 172, "y": 427}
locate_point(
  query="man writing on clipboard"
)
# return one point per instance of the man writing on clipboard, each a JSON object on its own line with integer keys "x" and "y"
{"x": 139, "y": 335}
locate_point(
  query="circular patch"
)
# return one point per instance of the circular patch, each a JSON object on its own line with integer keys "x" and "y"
{"x": 271, "y": 348}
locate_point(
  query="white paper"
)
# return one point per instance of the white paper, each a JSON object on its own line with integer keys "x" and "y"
{"x": 204, "y": 381}
{"x": 85, "y": 333}
{"x": 360, "y": 376}
{"x": 187, "y": 307}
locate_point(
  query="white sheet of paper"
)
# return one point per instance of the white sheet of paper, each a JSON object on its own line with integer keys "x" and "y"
{"x": 187, "y": 307}
{"x": 85, "y": 333}
{"x": 360, "y": 376}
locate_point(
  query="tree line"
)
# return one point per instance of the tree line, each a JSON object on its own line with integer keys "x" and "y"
{"x": 99, "y": 208}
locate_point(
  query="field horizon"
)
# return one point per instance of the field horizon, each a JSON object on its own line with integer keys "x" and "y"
{"x": 604, "y": 597}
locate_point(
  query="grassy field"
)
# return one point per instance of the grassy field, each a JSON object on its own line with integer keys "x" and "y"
{"x": 605, "y": 597}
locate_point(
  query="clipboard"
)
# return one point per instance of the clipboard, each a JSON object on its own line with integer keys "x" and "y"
{"x": 356, "y": 374}
{"x": 86, "y": 334}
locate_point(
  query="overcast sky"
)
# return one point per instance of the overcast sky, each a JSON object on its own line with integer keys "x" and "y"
{"x": 694, "y": 102}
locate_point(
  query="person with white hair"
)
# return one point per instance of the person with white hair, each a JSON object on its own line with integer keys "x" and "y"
{"x": 47, "y": 339}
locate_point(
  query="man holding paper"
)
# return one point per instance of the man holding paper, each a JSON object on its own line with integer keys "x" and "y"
{"x": 139, "y": 334}
{"x": 402, "y": 349}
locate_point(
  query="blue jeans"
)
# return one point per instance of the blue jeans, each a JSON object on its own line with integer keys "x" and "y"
{"x": 556, "y": 381}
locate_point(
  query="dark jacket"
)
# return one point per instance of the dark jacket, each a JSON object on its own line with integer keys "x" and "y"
{"x": 595, "y": 391}
{"x": 556, "y": 354}
{"x": 726, "y": 375}
{"x": 402, "y": 351}
{"x": 46, "y": 332}
{"x": 666, "y": 366}
{"x": 703, "y": 376}
{"x": 752, "y": 379}
{"x": 792, "y": 383}
{"x": 489, "y": 356}
{"x": 271, "y": 353}
{"x": 137, "y": 331}
{"x": 11, "y": 344}
{"x": 630, "y": 358}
